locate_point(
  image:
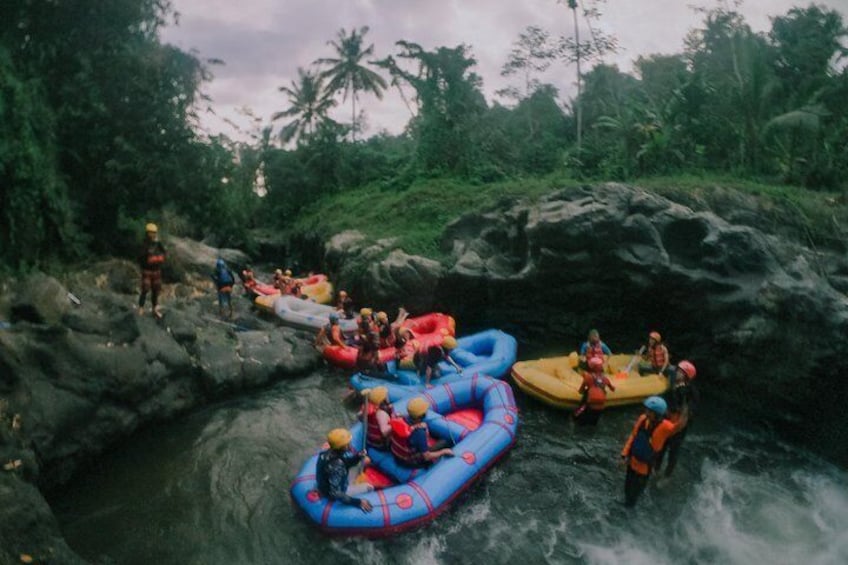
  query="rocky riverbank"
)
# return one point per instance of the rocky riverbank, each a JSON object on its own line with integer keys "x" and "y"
{"x": 762, "y": 316}
{"x": 81, "y": 377}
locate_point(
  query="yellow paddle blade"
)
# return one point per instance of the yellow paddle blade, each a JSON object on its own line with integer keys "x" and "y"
{"x": 573, "y": 359}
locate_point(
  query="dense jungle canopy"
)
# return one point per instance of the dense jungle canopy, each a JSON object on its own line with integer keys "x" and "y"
{"x": 98, "y": 122}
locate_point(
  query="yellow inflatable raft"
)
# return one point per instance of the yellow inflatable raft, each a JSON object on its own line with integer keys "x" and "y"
{"x": 556, "y": 380}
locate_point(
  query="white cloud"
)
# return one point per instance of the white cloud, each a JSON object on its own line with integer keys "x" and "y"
{"x": 263, "y": 42}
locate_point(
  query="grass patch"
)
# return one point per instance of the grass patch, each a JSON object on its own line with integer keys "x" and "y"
{"x": 417, "y": 215}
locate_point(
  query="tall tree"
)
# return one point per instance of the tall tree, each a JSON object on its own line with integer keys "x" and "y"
{"x": 531, "y": 54}
{"x": 347, "y": 72}
{"x": 309, "y": 103}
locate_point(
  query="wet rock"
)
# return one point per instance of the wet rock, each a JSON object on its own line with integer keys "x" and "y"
{"x": 40, "y": 299}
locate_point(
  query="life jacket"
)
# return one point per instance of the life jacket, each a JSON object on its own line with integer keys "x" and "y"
{"x": 335, "y": 333}
{"x": 374, "y": 435}
{"x": 154, "y": 255}
{"x": 594, "y": 350}
{"x": 657, "y": 356}
{"x": 641, "y": 447}
{"x": 400, "y": 446}
{"x": 596, "y": 395}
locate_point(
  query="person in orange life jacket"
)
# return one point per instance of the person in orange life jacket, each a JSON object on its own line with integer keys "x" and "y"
{"x": 406, "y": 348}
{"x": 344, "y": 304}
{"x": 593, "y": 392}
{"x": 410, "y": 437}
{"x": 379, "y": 415}
{"x": 682, "y": 397}
{"x": 224, "y": 281}
{"x": 650, "y": 434}
{"x": 331, "y": 471}
{"x": 593, "y": 347}
{"x": 655, "y": 356}
{"x": 330, "y": 334}
{"x": 428, "y": 363}
{"x": 151, "y": 260}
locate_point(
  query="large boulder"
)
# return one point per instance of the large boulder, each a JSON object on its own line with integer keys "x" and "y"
{"x": 40, "y": 299}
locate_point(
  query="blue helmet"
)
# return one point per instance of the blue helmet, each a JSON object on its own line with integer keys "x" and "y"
{"x": 334, "y": 318}
{"x": 656, "y": 404}
{"x": 220, "y": 263}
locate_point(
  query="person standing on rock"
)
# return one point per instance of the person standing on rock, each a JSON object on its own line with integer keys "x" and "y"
{"x": 682, "y": 397}
{"x": 151, "y": 261}
{"x": 655, "y": 357}
{"x": 648, "y": 438}
{"x": 224, "y": 281}
{"x": 593, "y": 347}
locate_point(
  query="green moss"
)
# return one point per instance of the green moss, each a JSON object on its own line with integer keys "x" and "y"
{"x": 418, "y": 214}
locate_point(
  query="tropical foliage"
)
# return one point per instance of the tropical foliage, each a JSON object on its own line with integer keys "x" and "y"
{"x": 99, "y": 126}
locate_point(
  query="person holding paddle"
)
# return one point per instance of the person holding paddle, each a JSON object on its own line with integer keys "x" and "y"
{"x": 331, "y": 472}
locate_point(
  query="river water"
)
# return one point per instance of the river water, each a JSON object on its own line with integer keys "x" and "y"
{"x": 212, "y": 489}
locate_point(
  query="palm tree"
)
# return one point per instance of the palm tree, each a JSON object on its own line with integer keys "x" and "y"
{"x": 346, "y": 71}
{"x": 309, "y": 102}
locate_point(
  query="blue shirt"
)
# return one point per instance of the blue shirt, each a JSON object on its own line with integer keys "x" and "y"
{"x": 585, "y": 347}
{"x": 331, "y": 474}
{"x": 418, "y": 440}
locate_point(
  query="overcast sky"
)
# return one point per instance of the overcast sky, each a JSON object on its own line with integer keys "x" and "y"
{"x": 264, "y": 41}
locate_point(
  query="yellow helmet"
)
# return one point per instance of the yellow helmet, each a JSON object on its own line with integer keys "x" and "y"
{"x": 288, "y": 272}
{"x": 151, "y": 228}
{"x": 365, "y": 312}
{"x": 338, "y": 438}
{"x": 449, "y": 342}
{"x": 417, "y": 407}
{"x": 278, "y": 272}
{"x": 378, "y": 395}
{"x": 382, "y": 316}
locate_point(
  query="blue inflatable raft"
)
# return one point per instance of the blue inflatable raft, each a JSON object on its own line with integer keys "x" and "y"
{"x": 491, "y": 353}
{"x": 477, "y": 414}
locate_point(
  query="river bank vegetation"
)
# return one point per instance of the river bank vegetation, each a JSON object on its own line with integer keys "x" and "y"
{"x": 98, "y": 131}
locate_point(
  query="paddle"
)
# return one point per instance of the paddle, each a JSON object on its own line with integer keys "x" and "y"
{"x": 624, "y": 373}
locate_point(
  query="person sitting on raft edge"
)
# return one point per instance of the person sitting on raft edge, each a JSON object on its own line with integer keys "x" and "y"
{"x": 655, "y": 356}
{"x": 410, "y": 437}
{"x": 344, "y": 305}
{"x": 593, "y": 347}
{"x": 330, "y": 333}
{"x": 378, "y": 417}
{"x": 331, "y": 471}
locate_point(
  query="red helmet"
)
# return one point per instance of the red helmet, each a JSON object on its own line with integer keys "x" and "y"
{"x": 595, "y": 363}
{"x": 688, "y": 369}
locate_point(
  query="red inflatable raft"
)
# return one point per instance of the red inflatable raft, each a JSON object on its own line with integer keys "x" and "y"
{"x": 429, "y": 329}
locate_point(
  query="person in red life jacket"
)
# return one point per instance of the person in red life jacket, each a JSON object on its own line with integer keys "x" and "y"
{"x": 593, "y": 390}
{"x": 406, "y": 349}
{"x": 330, "y": 334}
{"x": 655, "y": 356}
{"x": 151, "y": 261}
{"x": 224, "y": 281}
{"x": 593, "y": 347}
{"x": 248, "y": 279}
{"x": 682, "y": 397}
{"x": 368, "y": 355}
{"x": 344, "y": 305}
{"x": 379, "y": 414}
{"x": 428, "y": 363}
{"x": 331, "y": 471}
{"x": 650, "y": 434}
{"x": 410, "y": 441}
{"x": 287, "y": 283}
